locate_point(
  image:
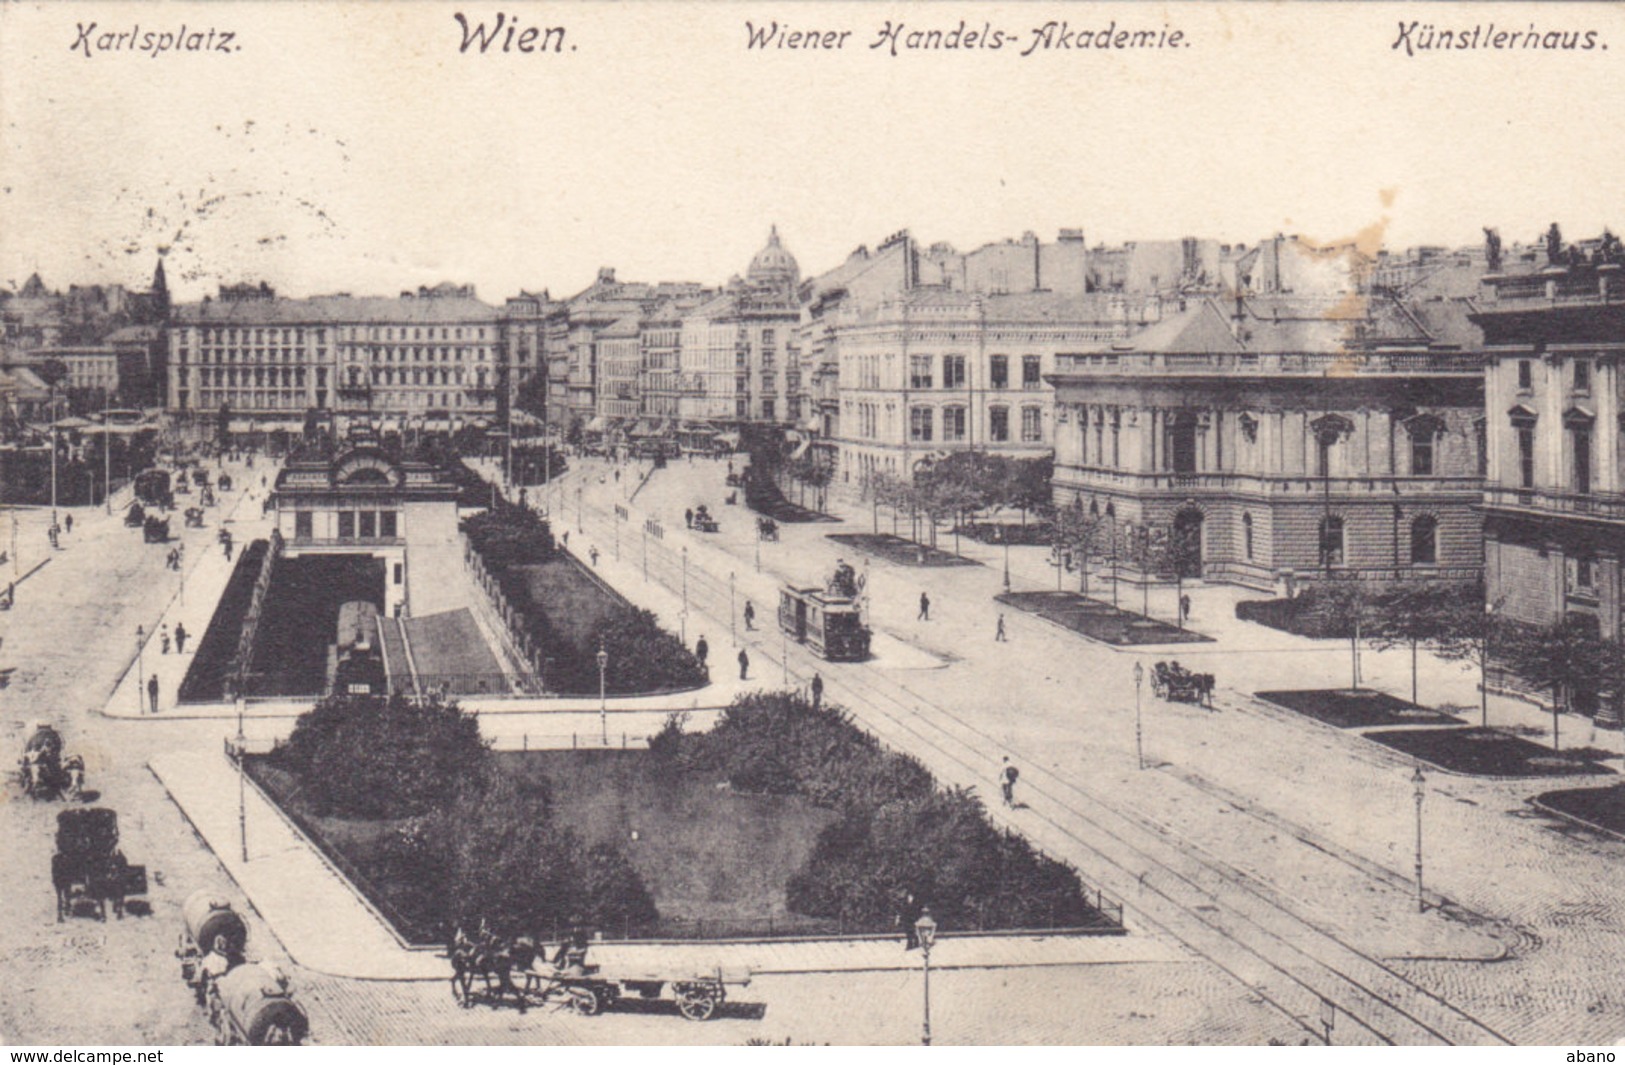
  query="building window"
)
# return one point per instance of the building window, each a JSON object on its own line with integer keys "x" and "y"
{"x": 1422, "y": 453}
{"x": 953, "y": 371}
{"x": 1424, "y": 541}
{"x": 1526, "y": 375}
{"x": 369, "y": 524}
{"x": 1030, "y": 369}
{"x": 302, "y": 525}
{"x": 1580, "y": 438}
{"x": 1323, "y": 453}
{"x": 919, "y": 423}
{"x": 1526, "y": 454}
{"x": 388, "y": 527}
{"x": 1582, "y": 375}
{"x": 346, "y": 525}
{"x": 1583, "y": 574}
{"x": 919, "y": 371}
{"x": 1247, "y": 535}
{"x": 953, "y": 423}
{"x": 1032, "y": 425}
{"x": 769, "y": 409}
{"x": 999, "y": 371}
{"x": 1331, "y": 541}
{"x": 998, "y": 424}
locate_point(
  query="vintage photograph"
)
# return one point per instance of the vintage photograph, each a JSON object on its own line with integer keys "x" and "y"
{"x": 814, "y": 523}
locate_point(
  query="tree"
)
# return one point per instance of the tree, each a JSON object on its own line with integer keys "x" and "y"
{"x": 1565, "y": 659}
{"x": 1415, "y": 617}
{"x": 1351, "y": 607}
{"x": 1079, "y": 534}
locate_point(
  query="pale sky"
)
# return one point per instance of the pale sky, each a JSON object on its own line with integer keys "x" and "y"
{"x": 351, "y": 147}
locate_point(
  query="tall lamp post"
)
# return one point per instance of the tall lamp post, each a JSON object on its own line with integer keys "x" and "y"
{"x": 733, "y": 614}
{"x": 603, "y": 704}
{"x": 1139, "y": 745}
{"x": 140, "y": 668}
{"x": 1484, "y": 666}
{"x": 1420, "y": 783}
{"x": 578, "y": 508}
{"x": 926, "y": 929}
{"x": 1004, "y": 534}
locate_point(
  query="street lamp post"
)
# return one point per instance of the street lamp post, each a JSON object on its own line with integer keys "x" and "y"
{"x": 603, "y": 704}
{"x": 733, "y": 613}
{"x": 1139, "y": 744}
{"x": 758, "y": 549}
{"x": 1420, "y": 783}
{"x": 1005, "y": 536}
{"x": 1484, "y": 666}
{"x": 926, "y": 929}
{"x": 140, "y": 668}
{"x": 578, "y": 508}
{"x": 685, "y": 580}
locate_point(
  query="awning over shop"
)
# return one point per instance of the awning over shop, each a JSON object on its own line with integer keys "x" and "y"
{"x": 240, "y": 425}
{"x": 597, "y": 425}
{"x": 730, "y": 439}
{"x": 645, "y": 429}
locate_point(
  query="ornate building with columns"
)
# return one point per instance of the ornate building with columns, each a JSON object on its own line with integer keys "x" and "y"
{"x": 1554, "y": 499}
{"x": 1285, "y": 438}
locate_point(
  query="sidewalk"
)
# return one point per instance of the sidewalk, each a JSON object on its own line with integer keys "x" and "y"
{"x": 324, "y": 925}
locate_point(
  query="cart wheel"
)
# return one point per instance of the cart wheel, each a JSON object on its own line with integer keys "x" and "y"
{"x": 585, "y": 1000}
{"x": 697, "y": 1003}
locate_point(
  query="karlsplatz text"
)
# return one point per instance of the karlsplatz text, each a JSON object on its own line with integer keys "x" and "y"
{"x": 87, "y": 42}
{"x": 1415, "y": 37}
{"x": 505, "y": 34}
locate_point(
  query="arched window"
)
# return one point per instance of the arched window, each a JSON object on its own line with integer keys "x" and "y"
{"x": 1331, "y": 541}
{"x": 1425, "y": 541}
{"x": 1247, "y": 535}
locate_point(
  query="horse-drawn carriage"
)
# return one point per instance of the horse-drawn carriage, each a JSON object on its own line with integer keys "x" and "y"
{"x": 767, "y": 529}
{"x": 155, "y": 530}
{"x": 703, "y": 521}
{"x": 136, "y": 516}
{"x": 249, "y": 1004}
{"x": 1176, "y": 684}
{"x": 509, "y": 970}
{"x": 152, "y": 487}
{"x": 88, "y": 868}
{"x": 45, "y": 772}
{"x": 194, "y": 517}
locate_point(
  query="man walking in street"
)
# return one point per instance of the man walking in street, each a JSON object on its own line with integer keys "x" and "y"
{"x": 998, "y": 635}
{"x": 688, "y": 517}
{"x": 925, "y": 608}
{"x": 180, "y": 639}
{"x": 701, "y": 650}
{"x": 1184, "y": 609}
{"x": 817, "y": 691}
{"x": 744, "y": 665}
{"x": 594, "y": 554}
{"x": 152, "y": 692}
{"x": 163, "y": 638}
{"x": 1007, "y": 782}
{"x": 750, "y": 616}
{"x": 70, "y": 523}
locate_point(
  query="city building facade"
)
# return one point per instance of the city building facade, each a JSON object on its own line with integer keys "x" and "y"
{"x": 1554, "y": 499}
{"x": 1284, "y": 438}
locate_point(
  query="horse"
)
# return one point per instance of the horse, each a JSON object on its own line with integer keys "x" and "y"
{"x": 492, "y": 960}
{"x": 73, "y": 773}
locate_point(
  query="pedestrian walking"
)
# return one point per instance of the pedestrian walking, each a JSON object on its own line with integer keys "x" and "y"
{"x": 925, "y": 608}
{"x": 594, "y": 554}
{"x": 1184, "y": 608}
{"x": 567, "y": 538}
{"x": 70, "y": 523}
{"x": 152, "y": 692}
{"x": 180, "y": 639}
{"x": 163, "y": 639}
{"x": 688, "y": 517}
{"x": 1007, "y": 782}
{"x": 999, "y": 636}
{"x": 744, "y": 665}
{"x": 817, "y": 691}
{"x": 701, "y": 650}
{"x": 750, "y": 616}
{"x": 227, "y": 546}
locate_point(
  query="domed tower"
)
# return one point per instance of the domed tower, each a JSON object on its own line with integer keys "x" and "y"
{"x": 774, "y": 267}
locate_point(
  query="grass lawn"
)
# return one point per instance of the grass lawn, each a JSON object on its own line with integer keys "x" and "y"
{"x": 1097, "y": 620}
{"x": 716, "y": 862}
{"x": 1487, "y": 753}
{"x": 901, "y": 551}
{"x": 1601, "y": 807}
{"x": 705, "y": 852}
{"x": 1356, "y": 709}
{"x": 574, "y": 600}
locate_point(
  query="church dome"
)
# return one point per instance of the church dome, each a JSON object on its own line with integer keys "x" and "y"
{"x": 774, "y": 265}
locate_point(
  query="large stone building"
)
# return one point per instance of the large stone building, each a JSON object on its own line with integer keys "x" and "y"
{"x": 934, "y": 371}
{"x": 1554, "y": 501}
{"x": 433, "y": 357}
{"x": 1283, "y": 438}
